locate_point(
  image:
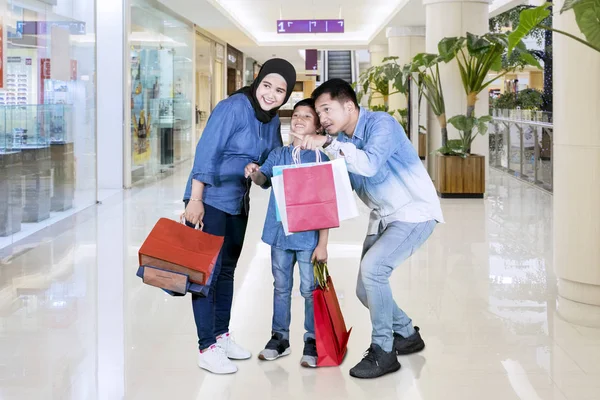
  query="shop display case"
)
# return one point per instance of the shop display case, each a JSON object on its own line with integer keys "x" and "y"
{"x": 57, "y": 124}
{"x": 11, "y": 208}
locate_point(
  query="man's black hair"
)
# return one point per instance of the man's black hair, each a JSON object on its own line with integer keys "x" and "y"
{"x": 338, "y": 89}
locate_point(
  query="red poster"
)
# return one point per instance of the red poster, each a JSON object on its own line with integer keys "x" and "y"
{"x": 45, "y": 70}
{"x": 73, "y": 70}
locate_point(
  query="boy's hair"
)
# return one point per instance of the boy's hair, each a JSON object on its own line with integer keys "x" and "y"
{"x": 306, "y": 103}
{"x": 338, "y": 89}
{"x": 311, "y": 104}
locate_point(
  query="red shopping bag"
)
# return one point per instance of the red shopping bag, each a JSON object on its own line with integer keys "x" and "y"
{"x": 330, "y": 328}
{"x": 310, "y": 198}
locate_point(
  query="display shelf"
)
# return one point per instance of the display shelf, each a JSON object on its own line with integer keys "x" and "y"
{"x": 11, "y": 207}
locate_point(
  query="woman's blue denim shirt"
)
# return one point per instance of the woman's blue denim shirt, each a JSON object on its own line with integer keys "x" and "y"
{"x": 232, "y": 138}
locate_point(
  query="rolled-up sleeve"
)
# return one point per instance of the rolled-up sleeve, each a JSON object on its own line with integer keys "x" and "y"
{"x": 267, "y": 167}
{"x": 382, "y": 141}
{"x": 226, "y": 118}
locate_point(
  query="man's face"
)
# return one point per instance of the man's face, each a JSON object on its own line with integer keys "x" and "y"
{"x": 334, "y": 116}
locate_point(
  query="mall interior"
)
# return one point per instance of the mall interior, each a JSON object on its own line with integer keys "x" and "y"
{"x": 103, "y": 103}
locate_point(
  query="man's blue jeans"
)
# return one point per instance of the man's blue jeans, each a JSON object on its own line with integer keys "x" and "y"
{"x": 283, "y": 262}
{"x": 382, "y": 253}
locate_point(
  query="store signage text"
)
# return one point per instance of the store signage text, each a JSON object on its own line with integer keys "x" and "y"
{"x": 310, "y": 26}
{"x": 45, "y": 27}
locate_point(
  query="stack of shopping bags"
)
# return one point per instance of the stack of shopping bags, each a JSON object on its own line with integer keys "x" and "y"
{"x": 179, "y": 259}
{"x": 313, "y": 196}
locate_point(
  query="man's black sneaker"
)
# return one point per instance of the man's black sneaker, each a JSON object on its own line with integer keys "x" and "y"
{"x": 277, "y": 347}
{"x": 309, "y": 357}
{"x": 375, "y": 363}
{"x": 412, "y": 344}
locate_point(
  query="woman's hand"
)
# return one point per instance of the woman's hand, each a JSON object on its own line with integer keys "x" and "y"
{"x": 320, "y": 254}
{"x": 194, "y": 213}
{"x": 251, "y": 169}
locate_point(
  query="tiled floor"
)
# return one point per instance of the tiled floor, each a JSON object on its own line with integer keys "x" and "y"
{"x": 76, "y": 323}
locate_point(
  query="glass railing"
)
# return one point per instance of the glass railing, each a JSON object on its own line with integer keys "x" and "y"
{"x": 521, "y": 145}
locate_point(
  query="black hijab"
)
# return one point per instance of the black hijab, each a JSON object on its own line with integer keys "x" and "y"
{"x": 273, "y": 66}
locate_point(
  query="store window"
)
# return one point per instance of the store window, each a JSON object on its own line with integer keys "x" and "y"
{"x": 47, "y": 114}
{"x": 235, "y": 65}
{"x": 162, "y": 114}
{"x": 205, "y": 49}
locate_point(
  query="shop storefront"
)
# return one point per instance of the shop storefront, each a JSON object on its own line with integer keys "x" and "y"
{"x": 251, "y": 72}
{"x": 210, "y": 70}
{"x": 162, "y": 68}
{"x": 235, "y": 67}
{"x": 47, "y": 114}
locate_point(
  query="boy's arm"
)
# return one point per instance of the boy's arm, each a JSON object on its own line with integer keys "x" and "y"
{"x": 266, "y": 170}
{"x": 320, "y": 253}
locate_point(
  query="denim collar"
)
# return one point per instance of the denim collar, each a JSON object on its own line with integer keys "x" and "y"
{"x": 359, "y": 131}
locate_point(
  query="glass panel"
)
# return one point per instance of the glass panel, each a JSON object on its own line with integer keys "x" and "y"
{"x": 161, "y": 97}
{"x": 47, "y": 116}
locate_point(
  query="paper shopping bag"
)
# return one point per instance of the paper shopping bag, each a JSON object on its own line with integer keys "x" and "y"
{"x": 310, "y": 198}
{"x": 330, "y": 328}
{"x": 278, "y": 192}
{"x": 175, "y": 247}
{"x": 346, "y": 202}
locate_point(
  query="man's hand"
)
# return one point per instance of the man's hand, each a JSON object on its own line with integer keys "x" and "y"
{"x": 313, "y": 142}
{"x": 251, "y": 169}
{"x": 320, "y": 254}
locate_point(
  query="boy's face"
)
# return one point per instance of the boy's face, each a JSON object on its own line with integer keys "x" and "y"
{"x": 334, "y": 115}
{"x": 304, "y": 121}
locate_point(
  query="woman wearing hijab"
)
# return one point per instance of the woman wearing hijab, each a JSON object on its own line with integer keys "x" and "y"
{"x": 242, "y": 129}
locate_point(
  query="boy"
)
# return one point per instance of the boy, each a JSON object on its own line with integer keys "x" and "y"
{"x": 304, "y": 247}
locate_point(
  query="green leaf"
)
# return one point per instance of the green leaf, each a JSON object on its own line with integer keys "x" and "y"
{"x": 569, "y": 4}
{"x": 477, "y": 44}
{"x": 391, "y": 58}
{"x": 528, "y": 20}
{"x": 587, "y": 15}
{"x": 448, "y": 47}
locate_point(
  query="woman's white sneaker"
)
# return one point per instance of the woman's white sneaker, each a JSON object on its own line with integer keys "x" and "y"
{"x": 233, "y": 350}
{"x": 214, "y": 360}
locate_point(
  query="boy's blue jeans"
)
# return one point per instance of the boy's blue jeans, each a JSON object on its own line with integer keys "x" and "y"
{"x": 283, "y": 262}
{"x": 382, "y": 254}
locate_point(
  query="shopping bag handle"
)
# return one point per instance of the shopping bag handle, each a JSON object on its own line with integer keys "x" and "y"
{"x": 296, "y": 155}
{"x": 182, "y": 220}
{"x": 321, "y": 273}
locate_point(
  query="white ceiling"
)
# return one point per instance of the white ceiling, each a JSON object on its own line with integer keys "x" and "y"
{"x": 250, "y": 25}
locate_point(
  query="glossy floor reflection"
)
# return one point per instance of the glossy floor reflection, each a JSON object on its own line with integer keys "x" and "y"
{"x": 76, "y": 323}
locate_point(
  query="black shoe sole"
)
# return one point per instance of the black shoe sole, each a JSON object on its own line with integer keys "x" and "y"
{"x": 410, "y": 350}
{"x": 395, "y": 369}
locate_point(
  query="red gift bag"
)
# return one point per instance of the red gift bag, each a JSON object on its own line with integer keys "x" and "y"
{"x": 330, "y": 328}
{"x": 310, "y": 199}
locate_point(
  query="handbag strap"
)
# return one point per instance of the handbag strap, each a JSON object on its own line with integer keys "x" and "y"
{"x": 296, "y": 155}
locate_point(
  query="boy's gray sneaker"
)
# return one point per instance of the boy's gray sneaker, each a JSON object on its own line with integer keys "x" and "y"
{"x": 309, "y": 357}
{"x": 277, "y": 347}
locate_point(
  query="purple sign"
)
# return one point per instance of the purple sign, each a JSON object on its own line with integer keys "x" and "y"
{"x": 310, "y": 26}
{"x": 311, "y": 61}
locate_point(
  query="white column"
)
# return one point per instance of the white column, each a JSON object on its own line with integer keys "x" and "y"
{"x": 448, "y": 18}
{"x": 110, "y": 73}
{"x": 576, "y": 156}
{"x": 404, "y": 43}
{"x": 378, "y": 53}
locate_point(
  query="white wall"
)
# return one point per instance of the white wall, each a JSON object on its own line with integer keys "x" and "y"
{"x": 110, "y": 15}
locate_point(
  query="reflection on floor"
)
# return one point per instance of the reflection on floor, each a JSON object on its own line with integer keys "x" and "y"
{"x": 76, "y": 323}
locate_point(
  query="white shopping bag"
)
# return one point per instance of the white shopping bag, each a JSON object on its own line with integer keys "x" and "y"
{"x": 279, "y": 193}
{"x": 346, "y": 202}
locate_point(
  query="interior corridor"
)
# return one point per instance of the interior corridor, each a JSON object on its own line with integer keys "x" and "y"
{"x": 76, "y": 323}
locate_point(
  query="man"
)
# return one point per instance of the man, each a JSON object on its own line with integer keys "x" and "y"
{"x": 390, "y": 179}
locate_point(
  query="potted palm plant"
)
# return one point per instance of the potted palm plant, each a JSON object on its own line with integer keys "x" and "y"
{"x": 382, "y": 81}
{"x": 459, "y": 172}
